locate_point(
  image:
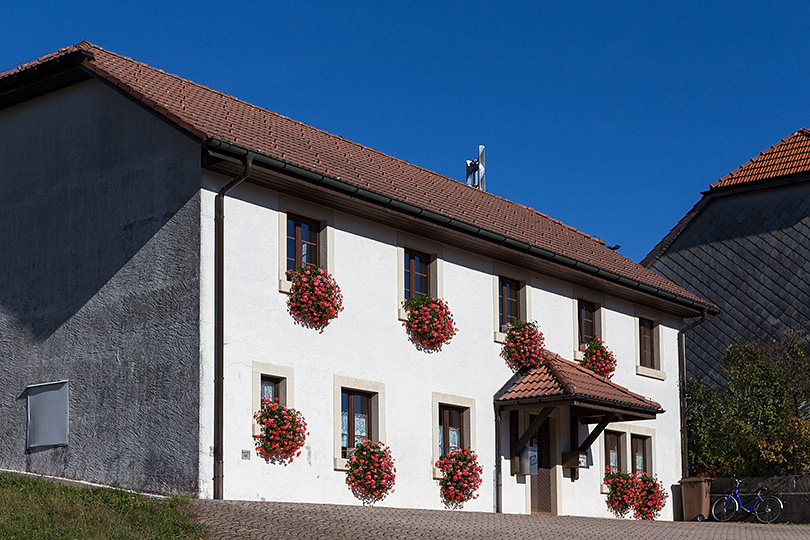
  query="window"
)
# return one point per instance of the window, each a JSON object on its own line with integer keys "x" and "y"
{"x": 269, "y": 388}
{"x": 417, "y": 275}
{"x": 646, "y": 329}
{"x": 613, "y": 451}
{"x": 638, "y": 448}
{"x": 451, "y": 428}
{"x": 302, "y": 242}
{"x": 587, "y": 321}
{"x": 271, "y": 381}
{"x": 355, "y": 420}
{"x": 508, "y": 301}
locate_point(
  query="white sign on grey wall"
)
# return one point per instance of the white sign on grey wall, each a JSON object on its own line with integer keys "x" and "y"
{"x": 47, "y": 414}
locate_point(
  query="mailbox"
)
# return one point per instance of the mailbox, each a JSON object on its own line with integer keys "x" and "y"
{"x": 575, "y": 460}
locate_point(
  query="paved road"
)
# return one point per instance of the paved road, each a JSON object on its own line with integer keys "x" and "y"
{"x": 239, "y": 520}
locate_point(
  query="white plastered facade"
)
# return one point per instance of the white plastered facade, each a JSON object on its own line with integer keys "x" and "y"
{"x": 366, "y": 349}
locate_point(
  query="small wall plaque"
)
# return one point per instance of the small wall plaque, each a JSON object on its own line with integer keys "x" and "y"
{"x": 245, "y": 454}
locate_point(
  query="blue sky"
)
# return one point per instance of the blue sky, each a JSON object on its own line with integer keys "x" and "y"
{"x": 609, "y": 117}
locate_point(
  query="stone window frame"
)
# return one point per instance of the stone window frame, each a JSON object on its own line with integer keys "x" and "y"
{"x": 435, "y": 250}
{"x": 501, "y": 270}
{"x": 283, "y": 374}
{"x": 376, "y": 390}
{"x": 468, "y": 404}
{"x": 627, "y": 431}
{"x": 658, "y": 372}
{"x": 325, "y": 217}
{"x": 599, "y": 316}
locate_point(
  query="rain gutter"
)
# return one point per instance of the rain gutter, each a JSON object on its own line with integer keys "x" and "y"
{"x": 220, "y": 146}
{"x": 682, "y": 390}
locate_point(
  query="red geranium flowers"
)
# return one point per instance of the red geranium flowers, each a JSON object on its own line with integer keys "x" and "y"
{"x": 523, "y": 348}
{"x": 462, "y": 477}
{"x": 284, "y": 431}
{"x": 430, "y": 323}
{"x": 598, "y": 358}
{"x": 643, "y": 493}
{"x": 315, "y": 297}
{"x": 371, "y": 472}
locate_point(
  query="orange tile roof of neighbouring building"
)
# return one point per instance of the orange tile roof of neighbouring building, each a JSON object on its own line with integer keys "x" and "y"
{"x": 789, "y": 156}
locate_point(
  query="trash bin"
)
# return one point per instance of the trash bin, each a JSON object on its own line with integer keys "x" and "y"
{"x": 695, "y": 497}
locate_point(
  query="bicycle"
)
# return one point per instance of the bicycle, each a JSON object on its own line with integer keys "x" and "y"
{"x": 766, "y": 509}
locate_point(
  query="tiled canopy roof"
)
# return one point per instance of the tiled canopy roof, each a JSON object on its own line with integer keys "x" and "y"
{"x": 791, "y": 155}
{"x": 565, "y": 379}
{"x": 206, "y": 113}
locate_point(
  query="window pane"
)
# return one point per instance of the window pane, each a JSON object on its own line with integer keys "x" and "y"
{"x": 360, "y": 418}
{"x": 290, "y": 253}
{"x": 455, "y": 438}
{"x": 587, "y": 317}
{"x": 441, "y": 440}
{"x": 268, "y": 389}
{"x": 416, "y": 274}
{"x": 508, "y": 300}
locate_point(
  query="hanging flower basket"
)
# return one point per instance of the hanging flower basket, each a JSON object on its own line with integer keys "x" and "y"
{"x": 371, "y": 472}
{"x": 598, "y": 358}
{"x": 622, "y": 492}
{"x": 430, "y": 323}
{"x": 315, "y": 297}
{"x": 284, "y": 431}
{"x": 462, "y": 477}
{"x": 650, "y": 497}
{"x": 523, "y": 349}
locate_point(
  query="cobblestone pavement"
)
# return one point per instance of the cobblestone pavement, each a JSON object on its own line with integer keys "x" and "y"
{"x": 240, "y": 520}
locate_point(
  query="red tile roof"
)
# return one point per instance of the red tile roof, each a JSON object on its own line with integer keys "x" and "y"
{"x": 562, "y": 378}
{"x": 205, "y": 113}
{"x": 791, "y": 155}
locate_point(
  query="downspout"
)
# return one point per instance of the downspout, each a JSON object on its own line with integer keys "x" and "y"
{"x": 682, "y": 390}
{"x": 498, "y": 478}
{"x": 219, "y": 318}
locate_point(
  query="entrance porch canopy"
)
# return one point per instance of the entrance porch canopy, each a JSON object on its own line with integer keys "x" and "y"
{"x": 590, "y": 399}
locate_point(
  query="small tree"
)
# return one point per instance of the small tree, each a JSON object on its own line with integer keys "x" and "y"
{"x": 758, "y": 423}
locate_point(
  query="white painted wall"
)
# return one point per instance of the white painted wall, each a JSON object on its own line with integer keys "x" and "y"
{"x": 368, "y": 342}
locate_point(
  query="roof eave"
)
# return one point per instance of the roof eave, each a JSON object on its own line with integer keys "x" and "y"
{"x": 43, "y": 77}
{"x": 227, "y": 148}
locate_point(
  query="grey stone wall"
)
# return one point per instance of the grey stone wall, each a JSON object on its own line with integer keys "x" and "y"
{"x": 99, "y": 274}
{"x": 749, "y": 253}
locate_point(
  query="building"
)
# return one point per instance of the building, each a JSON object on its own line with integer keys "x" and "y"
{"x": 114, "y": 171}
{"x": 746, "y": 246}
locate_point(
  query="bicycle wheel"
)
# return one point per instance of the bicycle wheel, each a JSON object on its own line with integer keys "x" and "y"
{"x": 724, "y": 508}
{"x": 768, "y": 509}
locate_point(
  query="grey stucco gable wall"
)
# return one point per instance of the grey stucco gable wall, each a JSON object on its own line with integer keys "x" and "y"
{"x": 749, "y": 253}
{"x": 100, "y": 279}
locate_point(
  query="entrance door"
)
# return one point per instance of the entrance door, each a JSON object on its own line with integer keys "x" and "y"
{"x": 541, "y": 480}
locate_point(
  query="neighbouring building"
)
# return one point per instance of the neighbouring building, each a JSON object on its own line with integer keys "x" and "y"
{"x": 123, "y": 365}
{"x": 745, "y": 246}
